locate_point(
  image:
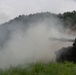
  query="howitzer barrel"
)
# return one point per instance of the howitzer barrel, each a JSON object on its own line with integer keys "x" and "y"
{"x": 61, "y": 39}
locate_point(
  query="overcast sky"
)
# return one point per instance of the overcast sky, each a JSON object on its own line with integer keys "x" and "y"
{"x": 12, "y": 8}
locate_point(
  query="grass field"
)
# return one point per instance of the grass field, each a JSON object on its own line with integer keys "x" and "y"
{"x": 65, "y": 68}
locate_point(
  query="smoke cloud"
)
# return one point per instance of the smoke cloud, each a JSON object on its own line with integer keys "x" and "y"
{"x": 20, "y": 44}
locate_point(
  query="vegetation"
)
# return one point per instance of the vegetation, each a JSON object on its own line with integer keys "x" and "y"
{"x": 69, "y": 19}
{"x": 66, "y": 68}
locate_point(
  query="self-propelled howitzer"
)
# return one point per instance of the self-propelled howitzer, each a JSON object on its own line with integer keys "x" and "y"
{"x": 67, "y": 54}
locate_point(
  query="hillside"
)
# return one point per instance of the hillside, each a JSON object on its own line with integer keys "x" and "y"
{"x": 67, "y": 19}
{"x": 23, "y": 22}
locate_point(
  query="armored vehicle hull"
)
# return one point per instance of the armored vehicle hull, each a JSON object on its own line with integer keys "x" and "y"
{"x": 66, "y": 54}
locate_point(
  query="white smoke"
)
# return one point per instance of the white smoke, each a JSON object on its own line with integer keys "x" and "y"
{"x": 31, "y": 45}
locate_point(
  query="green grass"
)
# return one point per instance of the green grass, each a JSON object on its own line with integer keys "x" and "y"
{"x": 66, "y": 68}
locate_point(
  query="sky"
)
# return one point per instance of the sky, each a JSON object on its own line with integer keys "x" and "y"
{"x": 10, "y": 9}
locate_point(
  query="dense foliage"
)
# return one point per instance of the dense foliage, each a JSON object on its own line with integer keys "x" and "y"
{"x": 69, "y": 19}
